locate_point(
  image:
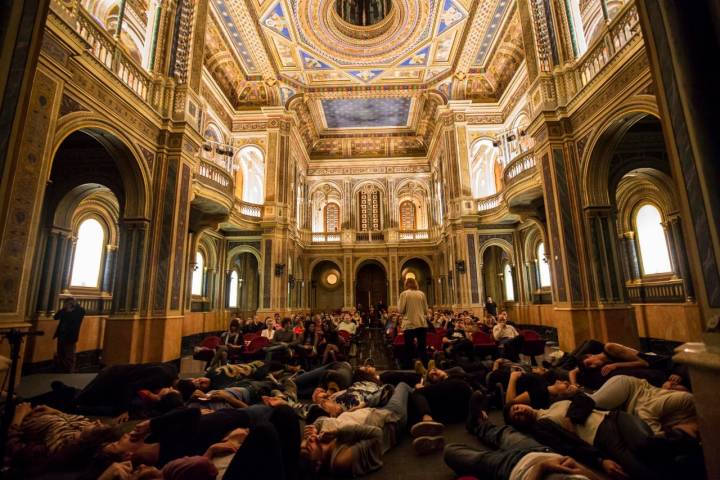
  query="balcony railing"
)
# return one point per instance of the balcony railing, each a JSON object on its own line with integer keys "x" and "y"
{"x": 104, "y": 47}
{"x": 370, "y": 237}
{"x": 214, "y": 176}
{"x": 92, "y": 304}
{"x": 621, "y": 30}
{"x": 488, "y": 204}
{"x": 520, "y": 167}
{"x": 326, "y": 237}
{"x": 249, "y": 209}
{"x": 670, "y": 291}
{"x": 409, "y": 235}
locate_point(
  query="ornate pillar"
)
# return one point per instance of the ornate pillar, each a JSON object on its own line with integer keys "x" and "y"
{"x": 109, "y": 268}
{"x": 678, "y": 253}
{"x": 631, "y": 256}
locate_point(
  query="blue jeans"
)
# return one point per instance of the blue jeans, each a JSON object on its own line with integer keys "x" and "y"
{"x": 398, "y": 403}
{"x": 501, "y": 449}
{"x": 308, "y": 381}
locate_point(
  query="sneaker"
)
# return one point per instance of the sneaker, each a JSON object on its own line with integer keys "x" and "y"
{"x": 427, "y": 429}
{"x": 476, "y": 411}
{"x": 428, "y": 445}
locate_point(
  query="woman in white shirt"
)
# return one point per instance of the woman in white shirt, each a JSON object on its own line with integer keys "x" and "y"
{"x": 413, "y": 306}
{"x": 269, "y": 331}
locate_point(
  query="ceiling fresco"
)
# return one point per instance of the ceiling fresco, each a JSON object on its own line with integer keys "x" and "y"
{"x": 352, "y": 78}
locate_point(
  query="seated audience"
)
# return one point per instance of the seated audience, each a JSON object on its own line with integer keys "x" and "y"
{"x": 508, "y": 338}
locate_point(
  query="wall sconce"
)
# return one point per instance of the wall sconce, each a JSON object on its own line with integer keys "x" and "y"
{"x": 460, "y": 266}
{"x": 207, "y": 147}
{"x": 279, "y": 269}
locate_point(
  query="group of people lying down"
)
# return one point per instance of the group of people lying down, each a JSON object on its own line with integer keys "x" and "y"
{"x": 602, "y": 411}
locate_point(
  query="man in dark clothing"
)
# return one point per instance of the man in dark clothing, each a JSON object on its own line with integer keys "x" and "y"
{"x": 70, "y": 319}
{"x": 491, "y": 307}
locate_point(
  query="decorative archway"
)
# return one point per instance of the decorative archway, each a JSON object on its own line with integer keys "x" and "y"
{"x": 326, "y": 286}
{"x": 419, "y": 269}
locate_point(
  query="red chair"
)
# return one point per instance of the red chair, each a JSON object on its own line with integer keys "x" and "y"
{"x": 484, "y": 344}
{"x": 248, "y": 337}
{"x": 533, "y": 344}
{"x": 345, "y": 335}
{"x": 206, "y": 350}
{"x": 433, "y": 342}
{"x": 440, "y": 332}
{"x": 254, "y": 349}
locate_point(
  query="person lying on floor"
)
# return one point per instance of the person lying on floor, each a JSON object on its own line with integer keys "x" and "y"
{"x": 507, "y": 454}
{"x": 267, "y": 450}
{"x": 621, "y": 437}
{"x": 355, "y": 442}
{"x": 358, "y": 395}
{"x": 43, "y": 437}
{"x": 230, "y": 375}
{"x": 188, "y": 468}
{"x": 662, "y": 409}
{"x": 534, "y": 390}
{"x": 594, "y": 369}
{"x": 115, "y": 391}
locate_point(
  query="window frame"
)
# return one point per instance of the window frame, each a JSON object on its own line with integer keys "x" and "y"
{"x": 638, "y": 249}
{"x": 237, "y": 290}
{"x": 507, "y": 268}
{"x": 540, "y": 261}
{"x": 203, "y": 276}
{"x": 103, "y": 253}
{"x": 414, "y": 215}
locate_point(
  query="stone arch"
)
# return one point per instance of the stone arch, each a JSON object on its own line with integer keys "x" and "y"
{"x": 644, "y": 186}
{"x": 240, "y": 249}
{"x": 596, "y": 161}
{"x": 134, "y": 173}
{"x": 497, "y": 242}
{"x": 423, "y": 258}
{"x": 360, "y": 262}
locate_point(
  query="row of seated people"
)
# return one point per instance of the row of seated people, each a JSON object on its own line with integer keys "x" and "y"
{"x": 302, "y": 340}
{"x": 634, "y": 418}
{"x": 463, "y": 335}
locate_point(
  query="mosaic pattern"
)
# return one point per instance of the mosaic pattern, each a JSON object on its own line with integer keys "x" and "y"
{"x": 492, "y": 30}
{"x": 234, "y": 34}
{"x": 452, "y": 14}
{"x": 366, "y": 113}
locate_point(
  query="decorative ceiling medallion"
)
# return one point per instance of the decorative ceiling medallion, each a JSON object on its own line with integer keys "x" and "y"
{"x": 364, "y": 32}
{"x": 408, "y": 25}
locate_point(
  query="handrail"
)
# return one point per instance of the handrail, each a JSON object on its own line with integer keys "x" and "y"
{"x": 406, "y": 235}
{"x": 489, "y": 203}
{"x": 105, "y": 48}
{"x": 620, "y": 31}
{"x": 325, "y": 237}
{"x": 214, "y": 176}
{"x": 249, "y": 209}
{"x": 374, "y": 236}
{"x": 515, "y": 169}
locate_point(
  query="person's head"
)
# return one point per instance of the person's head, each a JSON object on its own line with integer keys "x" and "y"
{"x": 319, "y": 394}
{"x": 411, "y": 284}
{"x": 170, "y": 399}
{"x": 435, "y": 375}
{"x": 489, "y": 300}
{"x": 69, "y": 303}
{"x": 91, "y": 440}
{"x": 234, "y": 325}
{"x": 501, "y": 319}
{"x": 123, "y": 448}
{"x": 201, "y": 383}
{"x": 286, "y": 323}
{"x": 270, "y": 323}
{"x": 519, "y": 415}
{"x": 596, "y": 360}
{"x": 311, "y": 456}
{"x": 562, "y": 389}
{"x": 186, "y": 387}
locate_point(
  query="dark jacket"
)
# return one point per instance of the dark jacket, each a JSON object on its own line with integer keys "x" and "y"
{"x": 70, "y": 321}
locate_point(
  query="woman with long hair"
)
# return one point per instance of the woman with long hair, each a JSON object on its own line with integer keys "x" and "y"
{"x": 412, "y": 306}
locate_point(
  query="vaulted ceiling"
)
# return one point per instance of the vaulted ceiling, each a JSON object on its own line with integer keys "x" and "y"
{"x": 362, "y": 81}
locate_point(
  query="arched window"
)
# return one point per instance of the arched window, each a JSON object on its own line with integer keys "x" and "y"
{"x": 233, "y": 290}
{"x": 198, "y": 275}
{"x": 651, "y": 241}
{"x": 369, "y": 206}
{"x": 408, "y": 218}
{"x": 332, "y": 217}
{"x": 509, "y": 287}
{"x": 543, "y": 267}
{"x": 483, "y": 160}
{"x": 252, "y": 164}
{"x": 88, "y": 254}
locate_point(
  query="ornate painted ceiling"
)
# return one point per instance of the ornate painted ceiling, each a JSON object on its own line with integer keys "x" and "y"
{"x": 352, "y": 77}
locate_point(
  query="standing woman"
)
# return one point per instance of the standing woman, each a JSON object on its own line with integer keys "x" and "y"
{"x": 413, "y": 306}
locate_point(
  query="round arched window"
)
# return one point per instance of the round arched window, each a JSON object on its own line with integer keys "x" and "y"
{"x": 88, "y": 254}
{"x": 652, "y": 242}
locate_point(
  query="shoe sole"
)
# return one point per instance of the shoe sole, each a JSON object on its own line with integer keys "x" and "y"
{"x": 427, "y": 445}
{"x": 427, "y": 429}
